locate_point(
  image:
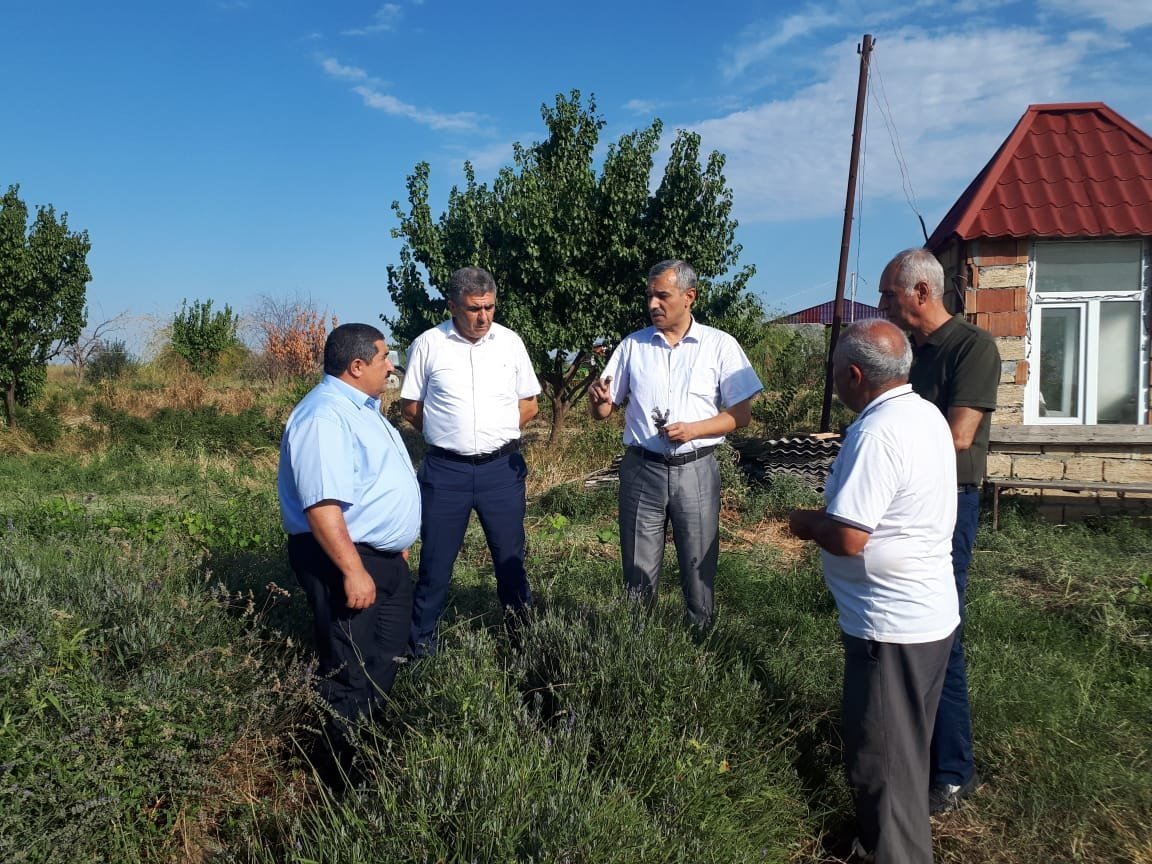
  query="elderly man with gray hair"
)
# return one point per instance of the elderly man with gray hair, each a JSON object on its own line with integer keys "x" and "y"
{"x": 956, "y": 367}
{"x": 886, "y": 540}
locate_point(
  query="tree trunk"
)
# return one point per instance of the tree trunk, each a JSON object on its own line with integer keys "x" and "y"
{"x": 560, "y": 408}
{"x": 10, "y": 404}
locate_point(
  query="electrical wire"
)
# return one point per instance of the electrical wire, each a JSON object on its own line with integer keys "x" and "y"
{"x": 894, "y": 137}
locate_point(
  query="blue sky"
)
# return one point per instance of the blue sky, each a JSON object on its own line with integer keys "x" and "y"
{"x": 233, "y": 149}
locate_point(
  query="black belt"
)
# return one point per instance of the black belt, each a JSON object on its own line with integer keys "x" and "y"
{"x": 967, "y": 487}
{"x": 363, "y": 548}
{"x": 480, "y": 458}
{"x": 679, "y": 459}
{"x": 373, "y": 552}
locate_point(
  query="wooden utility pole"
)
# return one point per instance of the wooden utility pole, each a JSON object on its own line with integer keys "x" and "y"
{"x": 865, "y": 50}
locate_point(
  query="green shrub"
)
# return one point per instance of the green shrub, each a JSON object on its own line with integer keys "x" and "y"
{"x": 202, "y": 336}
{"x": 111, "y": 362}
{"x": 42, "y": 422}
{"x": 191, "y": 429}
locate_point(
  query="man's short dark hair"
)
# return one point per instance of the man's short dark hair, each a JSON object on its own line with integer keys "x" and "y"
{"x": 470, "y": 282}
{"x": 349, "y": 342}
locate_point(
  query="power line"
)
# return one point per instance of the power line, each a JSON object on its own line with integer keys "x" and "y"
{"x": 894, "y": 137}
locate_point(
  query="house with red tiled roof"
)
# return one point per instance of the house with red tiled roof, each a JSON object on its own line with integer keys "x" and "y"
{"x": 1050, "y": 248}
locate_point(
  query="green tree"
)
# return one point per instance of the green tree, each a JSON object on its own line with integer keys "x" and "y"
{"x": 43, "y": 278}
{"x": 570, "y": 246}
{"x": 201, "y": 336}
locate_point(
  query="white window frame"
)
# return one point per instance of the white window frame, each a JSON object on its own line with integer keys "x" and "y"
{"x": 1089, "y": 307}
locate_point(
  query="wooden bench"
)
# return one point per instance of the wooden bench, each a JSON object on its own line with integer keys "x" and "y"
{"x": 1105, "y": 442}
{"x": 1118, "y": 489}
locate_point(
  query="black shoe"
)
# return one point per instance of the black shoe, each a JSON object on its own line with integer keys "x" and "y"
{"x": 945, "y": 797}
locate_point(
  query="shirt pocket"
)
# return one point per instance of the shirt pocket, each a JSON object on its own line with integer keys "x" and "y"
{"x": 703, "y": 383}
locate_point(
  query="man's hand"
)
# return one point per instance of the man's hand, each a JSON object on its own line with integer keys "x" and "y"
{"x": 359, "y": 590}
{"x": 800, "y": 523}
{"x": 600, "y": 391}
{"x": 680, "y": 432}
{"x": 600, "y": 398}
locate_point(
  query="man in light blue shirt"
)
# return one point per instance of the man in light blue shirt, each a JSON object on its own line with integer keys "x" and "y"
{"x": 350, "y": 504}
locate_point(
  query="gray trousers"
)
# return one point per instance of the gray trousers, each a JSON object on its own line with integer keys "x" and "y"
{"x": 890, "y": 697}
{"x": 689, "y": 495}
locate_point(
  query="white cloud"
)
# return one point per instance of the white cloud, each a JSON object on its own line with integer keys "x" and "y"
{"x": 336, "y": 69}
{"x": 762, "y": 43}
{"x": 1121, "y": 15}
{"x": 641, "y": 106}
{"x": 953, "y": 97}
{"x": 385, "y": 18}
{"x": 373, "y": 98}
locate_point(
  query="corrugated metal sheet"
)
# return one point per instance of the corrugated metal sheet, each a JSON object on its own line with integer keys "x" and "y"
{"x": 805, "y": 458}
{"x": 1068, "y": 170}
{"x": 822, "y": 314}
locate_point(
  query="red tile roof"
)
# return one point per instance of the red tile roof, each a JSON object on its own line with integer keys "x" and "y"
{"x": 1068, "y": 170}
{"x": 822, "y": 314}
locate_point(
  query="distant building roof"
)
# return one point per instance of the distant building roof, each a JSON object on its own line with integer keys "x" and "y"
{"x": 1068, "y": 170}
{"x": 822, "y": 314}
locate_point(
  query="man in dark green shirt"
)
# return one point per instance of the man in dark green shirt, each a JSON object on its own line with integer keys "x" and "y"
{"x": 956, "y": 366}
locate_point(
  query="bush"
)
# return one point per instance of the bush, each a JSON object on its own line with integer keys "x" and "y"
{"x": 110, "y": 362}
{"x": 190, "y": 430}
{"x": 201, "y": 336}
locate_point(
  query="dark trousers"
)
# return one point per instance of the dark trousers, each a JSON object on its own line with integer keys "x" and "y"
{"x": 450, "y": 491}
{"x": 890, "y": 697}
{"x": 357, "y": 647}
{"x": 952, "y": 760}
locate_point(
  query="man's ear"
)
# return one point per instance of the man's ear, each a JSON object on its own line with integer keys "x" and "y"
{"x": 854, "y": 374}
{"x": 923, "y": 292}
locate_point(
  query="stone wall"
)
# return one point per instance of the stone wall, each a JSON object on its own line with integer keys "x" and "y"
{"x": 1077, "y": 463}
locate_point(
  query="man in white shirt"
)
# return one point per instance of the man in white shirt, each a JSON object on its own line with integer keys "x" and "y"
{"x": 469, "y": 388}
{"x": 687, "y": 386}
{"x": 886, "y": 540}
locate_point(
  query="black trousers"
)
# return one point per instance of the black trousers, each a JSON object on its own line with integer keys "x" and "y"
{"x": 890, "y": 696}
{"x": 357, "y": 647}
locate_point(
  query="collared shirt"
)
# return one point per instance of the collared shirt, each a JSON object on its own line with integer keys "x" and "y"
{"x": 704, "y": 372}
{"x": 959, "y": 365}
{"x": 471, "y": 390}
{"x": 895, "y": 477}
{"x": 338, "y": 446}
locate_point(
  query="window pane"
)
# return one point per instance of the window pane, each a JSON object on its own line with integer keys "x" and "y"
{"x": 1088, "y": 267}
{"x": 1060, "y": 362}
{"x": 1118, "y": 399}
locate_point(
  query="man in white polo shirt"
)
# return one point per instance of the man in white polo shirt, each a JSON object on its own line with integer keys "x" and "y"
{"x": 687, "y": 386}
{"x": 469, "y": 388}
{"x": 886, "y": 540}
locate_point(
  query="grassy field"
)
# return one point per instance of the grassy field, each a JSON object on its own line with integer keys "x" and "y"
{"x": 155, "y": 701}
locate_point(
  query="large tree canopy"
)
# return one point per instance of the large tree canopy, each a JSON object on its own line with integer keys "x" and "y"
{"x": 43, "y": 277}
{"x": 570, "y": 248}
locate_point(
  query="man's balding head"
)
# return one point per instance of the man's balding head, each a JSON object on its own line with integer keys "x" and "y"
{"x": 871, "y": 357}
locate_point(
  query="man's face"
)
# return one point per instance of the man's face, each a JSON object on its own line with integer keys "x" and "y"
{"x": 900, "y": 307}
{"x": 668, "y": 308}
{"x": 374, "y": 373}
{"x": 472, "y": 316}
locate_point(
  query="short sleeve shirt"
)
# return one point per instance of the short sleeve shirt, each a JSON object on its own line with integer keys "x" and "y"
{"x": 471, "y": 390}
{"x": 704, "y": 372}
{"x": 337, "y": 446}
{"x": 959, "y": 365}
{"x": 895, "y": 478}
